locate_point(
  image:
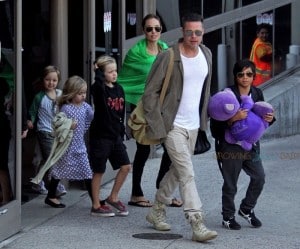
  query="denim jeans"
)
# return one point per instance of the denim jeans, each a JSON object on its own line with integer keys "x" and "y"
{"x": 46, "y": 140}
{"x": 180, "y": 145}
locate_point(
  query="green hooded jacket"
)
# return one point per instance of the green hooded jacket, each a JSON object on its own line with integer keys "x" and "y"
{"x": 135, "y": 69}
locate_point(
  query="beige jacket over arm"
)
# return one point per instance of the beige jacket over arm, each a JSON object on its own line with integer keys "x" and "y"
{"x": 63, "y": 136}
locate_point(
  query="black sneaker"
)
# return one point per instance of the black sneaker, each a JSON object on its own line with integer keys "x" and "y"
{"x": 231, "y": 224}
{"x": 250, "y": 217}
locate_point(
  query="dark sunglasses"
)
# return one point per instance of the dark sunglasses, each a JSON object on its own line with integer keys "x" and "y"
{"x": 191, "y": 32}
{"x": 241, "y": 75}
{"x": 149, "y": 29}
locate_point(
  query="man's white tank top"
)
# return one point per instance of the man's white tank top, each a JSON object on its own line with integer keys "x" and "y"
{"x": 194, "y": 73}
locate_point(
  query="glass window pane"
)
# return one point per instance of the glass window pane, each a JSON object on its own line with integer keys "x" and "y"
{"x": 7, "y": 162}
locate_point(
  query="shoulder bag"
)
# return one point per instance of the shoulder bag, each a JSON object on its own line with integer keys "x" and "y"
{"x": 202, "y": 143}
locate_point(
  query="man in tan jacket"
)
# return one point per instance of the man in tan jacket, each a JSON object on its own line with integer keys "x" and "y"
{"x": 177, "y": 121}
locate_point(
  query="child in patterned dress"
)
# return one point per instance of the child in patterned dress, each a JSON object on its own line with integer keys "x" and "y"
{"x": 74, "y": 163}
{"x": 106, "y": 136}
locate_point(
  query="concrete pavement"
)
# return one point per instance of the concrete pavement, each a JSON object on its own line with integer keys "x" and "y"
{"x": 278, "y": 208}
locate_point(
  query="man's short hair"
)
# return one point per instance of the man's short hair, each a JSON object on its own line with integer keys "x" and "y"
{"x": 191, "y": 17}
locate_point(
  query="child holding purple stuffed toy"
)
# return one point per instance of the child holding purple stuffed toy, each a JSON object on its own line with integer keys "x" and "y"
{"x": 248, "y": 160}
{"x": 224, "y": 105}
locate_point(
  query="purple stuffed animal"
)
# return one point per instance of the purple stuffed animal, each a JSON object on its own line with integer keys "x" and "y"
{"x": 224, "y": 105}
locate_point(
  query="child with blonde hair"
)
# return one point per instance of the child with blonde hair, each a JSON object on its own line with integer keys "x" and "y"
{"x": 74, "y": 163}
{"x": 106, "y": 136}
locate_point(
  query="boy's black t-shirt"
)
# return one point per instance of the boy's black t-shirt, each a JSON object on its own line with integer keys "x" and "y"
{"x": 109, "y": 105}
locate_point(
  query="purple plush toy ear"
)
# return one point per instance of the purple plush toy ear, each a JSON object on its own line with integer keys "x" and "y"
{"x": 223, "y": 105}
{"x": 247, "y": 102}
{"x": 261, "y": 108}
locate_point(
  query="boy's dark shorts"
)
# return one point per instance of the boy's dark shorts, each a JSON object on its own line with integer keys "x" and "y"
{"x": 102, "y": 149}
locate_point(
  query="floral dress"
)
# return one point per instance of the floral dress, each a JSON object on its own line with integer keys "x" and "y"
{"x": 74, "y": 164}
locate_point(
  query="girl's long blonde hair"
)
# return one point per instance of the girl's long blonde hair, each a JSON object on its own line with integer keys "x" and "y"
{"x": 72, "y": 86}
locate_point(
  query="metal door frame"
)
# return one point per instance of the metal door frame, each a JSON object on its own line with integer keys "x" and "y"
{"x": 10, "y": 214}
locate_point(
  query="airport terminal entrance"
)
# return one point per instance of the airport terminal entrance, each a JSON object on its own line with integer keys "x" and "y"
{"x": 10, "y": 197}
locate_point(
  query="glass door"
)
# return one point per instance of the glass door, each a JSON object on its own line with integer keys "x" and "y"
{"x": 10, "y": 203}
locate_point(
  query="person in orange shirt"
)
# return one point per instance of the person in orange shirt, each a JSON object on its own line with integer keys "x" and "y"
{"x": 261, "y": 55}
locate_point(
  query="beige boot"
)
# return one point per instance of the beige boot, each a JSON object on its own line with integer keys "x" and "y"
{"x": 200, "y": 232}
{"x": 157, "y": 216}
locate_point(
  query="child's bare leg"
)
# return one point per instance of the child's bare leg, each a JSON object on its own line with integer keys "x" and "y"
{"x": 119, "y": 181}
{"x": 96, "y": 183}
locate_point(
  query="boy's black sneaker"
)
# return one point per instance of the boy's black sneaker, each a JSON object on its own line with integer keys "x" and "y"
{"x": 231, "y": 224}
{"x": 250, "y": 217}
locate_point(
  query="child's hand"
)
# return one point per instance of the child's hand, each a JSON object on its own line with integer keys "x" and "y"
{"x": 74, "y": 124}
{"x": 269, "y": 117}
{"x": 24, "y": 134}
{"x": 240, "y": 115}
{"x": 100, "y": 74}
{"x": 29, "y": 124}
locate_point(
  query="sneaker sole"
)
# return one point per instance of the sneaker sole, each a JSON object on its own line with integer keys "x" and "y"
{"x": 119, "y": 213}
{"x": 102, "y": 214}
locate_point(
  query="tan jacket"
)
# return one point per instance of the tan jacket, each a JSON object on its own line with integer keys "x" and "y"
{"x": 161, "y": 118}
